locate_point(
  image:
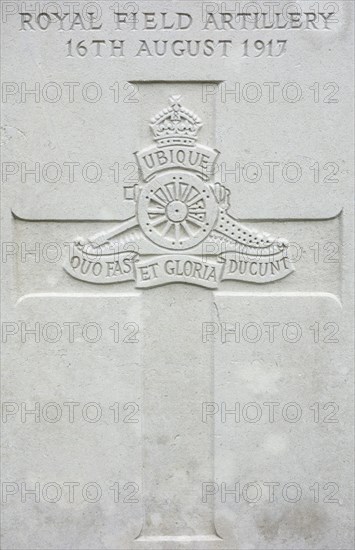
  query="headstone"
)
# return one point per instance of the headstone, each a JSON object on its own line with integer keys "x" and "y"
{"x": 177, "y": 273}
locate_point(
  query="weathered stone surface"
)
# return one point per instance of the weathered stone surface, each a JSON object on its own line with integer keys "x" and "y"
{"x": 177, "y": 271}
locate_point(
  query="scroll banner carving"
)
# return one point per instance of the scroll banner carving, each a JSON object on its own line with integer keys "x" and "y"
{"x": 174, "y": 268}
{"x": 199, "y": 159}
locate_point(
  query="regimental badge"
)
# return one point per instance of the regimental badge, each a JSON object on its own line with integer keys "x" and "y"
{"x": 182, "y": 231}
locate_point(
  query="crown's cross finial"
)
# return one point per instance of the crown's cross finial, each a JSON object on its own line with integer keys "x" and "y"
{"x": 175, "y": 101}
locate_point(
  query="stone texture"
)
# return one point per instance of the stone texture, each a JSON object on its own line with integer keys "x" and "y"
{"x": 177, "y": 416}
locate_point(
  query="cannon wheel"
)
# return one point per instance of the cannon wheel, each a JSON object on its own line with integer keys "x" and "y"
{"x": 177, "y": 210}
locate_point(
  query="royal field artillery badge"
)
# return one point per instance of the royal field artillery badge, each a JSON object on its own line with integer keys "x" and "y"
{"x": 182, "y": 231}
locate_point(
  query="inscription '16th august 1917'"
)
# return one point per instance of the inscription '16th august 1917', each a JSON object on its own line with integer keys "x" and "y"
{"x": 183, "y": 24}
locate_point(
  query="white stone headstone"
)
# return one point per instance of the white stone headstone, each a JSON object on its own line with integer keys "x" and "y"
{"x": 176, "y": 251}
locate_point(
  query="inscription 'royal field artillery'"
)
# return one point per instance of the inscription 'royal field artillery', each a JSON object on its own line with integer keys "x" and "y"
{"x": 182, "y": 230}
